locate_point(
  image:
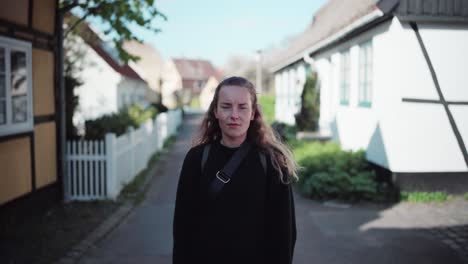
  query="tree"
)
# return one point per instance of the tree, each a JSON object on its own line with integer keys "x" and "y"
{"x": 308, "y": 116}
{"x": 117, "y": 16}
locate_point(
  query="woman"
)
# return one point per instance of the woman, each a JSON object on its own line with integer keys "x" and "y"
{"x": 251, "y": 219}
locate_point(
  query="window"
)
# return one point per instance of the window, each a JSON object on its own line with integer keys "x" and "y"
{"x": 15, "y": 87}
{"x": 345, "y": 78}
{"x": 365, "y": 74}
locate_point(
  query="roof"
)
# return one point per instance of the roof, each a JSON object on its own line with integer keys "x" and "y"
{"x": 92, "y": 38}
{"x": 329, "y": 19}
{"x": 123, "y": 69}
{"x": 337, "y": 15}
{"x": 433, "y": 10}
{"x": 195, "y": 70}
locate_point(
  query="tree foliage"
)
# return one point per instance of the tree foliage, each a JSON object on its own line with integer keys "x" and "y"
{"x": 308, "y": 116}
{"x": 117, "y": 16}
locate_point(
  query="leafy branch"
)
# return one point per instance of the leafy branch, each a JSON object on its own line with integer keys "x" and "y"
{"x": 117, "y": 17}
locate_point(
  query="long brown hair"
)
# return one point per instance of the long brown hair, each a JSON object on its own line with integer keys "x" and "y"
{"x": 259, "y": 133}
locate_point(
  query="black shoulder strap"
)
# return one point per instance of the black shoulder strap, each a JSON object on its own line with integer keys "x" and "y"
{"x": 263, "y": 161}
{"x": 206, "y": 151}
{"x": 224, "y": 176}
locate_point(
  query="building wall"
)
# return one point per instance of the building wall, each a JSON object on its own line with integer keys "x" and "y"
{"x": 289, "y": 83}
{"x": 15, "y": 11}
{"x": 15, "y": 161}
{"x": 172, "y": 83}
{"x": 42, "y": 18}
{"x": 428, "y": 143}
{"x": 45, "y": 154}
{"x": 401, "y": 136}
{"x": 97, "y": 95}
{"x": 130, "y": 91}
{"x": 149, "y": 67}
{"x": 28, "y": 160}
{"x": 207, "y": 93}
{"x": 43, "y": 79}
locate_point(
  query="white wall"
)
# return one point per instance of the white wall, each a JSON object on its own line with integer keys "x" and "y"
{"x": 289, "y": 84}
{"x": 131, "y": 91}
{"x": 447, "y": 46}
{"x": 97, "y": 95}
{"x": 401, "y": 136}
{"x": 172, "y": 82}
{"x": 419, "y": 135}
{"x": 103, "y": 89}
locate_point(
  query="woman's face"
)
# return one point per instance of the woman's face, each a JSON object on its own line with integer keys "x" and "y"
{"x": 234, "y": 111}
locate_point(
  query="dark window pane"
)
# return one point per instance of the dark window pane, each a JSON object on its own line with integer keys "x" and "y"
{"x": 18, "y": 62}
{"x": 20, "y": 108}
{"x": 2, "y": 60}
{"x": 2, "y": 112}
{"x": 2, "y": 85}
{"x": 18, "y": 73}
{"x": 19, "y": 85}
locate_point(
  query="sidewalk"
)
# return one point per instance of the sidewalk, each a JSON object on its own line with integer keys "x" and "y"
{"x": 404, "y": 233}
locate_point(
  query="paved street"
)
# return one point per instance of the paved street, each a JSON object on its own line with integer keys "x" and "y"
{"x": 405, "y": 233}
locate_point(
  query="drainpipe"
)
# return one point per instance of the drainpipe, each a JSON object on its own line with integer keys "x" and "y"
{"x": 62, "y": 168}
{"x": 308, "y": 59}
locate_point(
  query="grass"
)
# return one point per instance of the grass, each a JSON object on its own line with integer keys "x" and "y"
{"x": 134, "y": 189}
{"x": 195, "y": 102}
{"x": 267, "y": 102}
{"x": 424, "y": 197}
{"x": 465, "y": 196}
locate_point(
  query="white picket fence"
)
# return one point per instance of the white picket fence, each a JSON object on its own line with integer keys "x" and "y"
{"x": 100, "y": 169}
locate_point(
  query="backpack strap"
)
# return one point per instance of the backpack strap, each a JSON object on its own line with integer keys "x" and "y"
{"x": 263, "y": 161}
{"x": 206, "y": 151}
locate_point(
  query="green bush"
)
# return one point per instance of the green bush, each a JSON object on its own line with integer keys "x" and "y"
{"x": 118, "y": 123}
{"x": 308, "y": 116}
{"x": 424, "y": 197}
{"x": 286, "y": 132}
{"x": 267, "y": 103}
{"x": 331, "y": 173}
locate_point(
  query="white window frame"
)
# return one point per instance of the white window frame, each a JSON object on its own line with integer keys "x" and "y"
{"x": 345, "y": 77}
{"x": 9, "y": 128}
{"x": 365, "y": 73}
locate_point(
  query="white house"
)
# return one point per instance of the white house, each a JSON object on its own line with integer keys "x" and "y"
{"x": 392, "y": 80}
{"x": 149, "y": 67}
{"x": 184, "y": 79}
{"x": 208, "y": 91}
{"x": 108, "y": 84}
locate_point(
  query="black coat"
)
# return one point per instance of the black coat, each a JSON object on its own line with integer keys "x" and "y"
{"x": 252, "y": 220}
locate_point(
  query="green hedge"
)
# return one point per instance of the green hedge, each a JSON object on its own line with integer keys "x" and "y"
{"x": 267, "y": 103}
{"x": 118, "y": 123}
{"x": 308, "y": 116}
{"x": 331, "y": 173}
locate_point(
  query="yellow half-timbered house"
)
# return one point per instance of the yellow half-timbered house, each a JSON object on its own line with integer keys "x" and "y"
{"x": 29, "y": 106}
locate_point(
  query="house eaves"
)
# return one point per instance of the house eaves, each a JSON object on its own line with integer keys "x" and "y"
{"x": 335, "y": 17}
{"x": 419, "y": 11}
{"x": 441, "y": 11}
{"x": 356, "y": 25}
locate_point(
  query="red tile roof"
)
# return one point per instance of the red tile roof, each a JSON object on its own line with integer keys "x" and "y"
{"x": 96, "y": 43}
{"x": 195, "y": 70}
{"x": 123, "y": 69}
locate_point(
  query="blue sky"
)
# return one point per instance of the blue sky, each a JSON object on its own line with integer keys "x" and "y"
{"x": 215, "y": 30}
